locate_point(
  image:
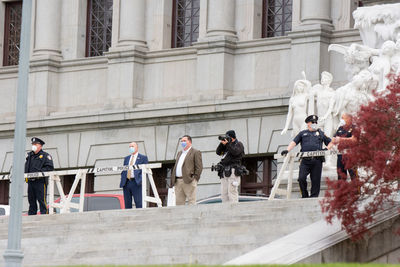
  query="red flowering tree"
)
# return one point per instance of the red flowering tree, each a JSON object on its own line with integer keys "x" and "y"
{"x": 376, "y": 153}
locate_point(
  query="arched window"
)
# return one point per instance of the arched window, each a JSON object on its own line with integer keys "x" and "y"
{"x": 277, "y": 18}
{"x": 99, "y": 26}
{"x": 186, "y": 17}
{"x": 12, "y": 32}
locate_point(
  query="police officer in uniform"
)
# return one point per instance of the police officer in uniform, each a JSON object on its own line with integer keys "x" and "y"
{"x": 344, "y": 132}
{"x": 37, "y": 161}
{"x": 311, "y": 140}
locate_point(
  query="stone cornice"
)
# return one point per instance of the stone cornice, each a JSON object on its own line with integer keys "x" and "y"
{"x": 152, "y": 115}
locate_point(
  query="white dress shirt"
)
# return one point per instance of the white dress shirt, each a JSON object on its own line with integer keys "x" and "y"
{"x": 180, "y": 162}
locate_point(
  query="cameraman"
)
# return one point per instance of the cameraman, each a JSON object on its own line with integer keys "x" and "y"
{"x": 232, "y": 152}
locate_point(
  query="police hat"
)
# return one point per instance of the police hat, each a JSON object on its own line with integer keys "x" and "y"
{"x": 36, "y": 140}
{"x": 231, "y": 133}
{"x": 312, "y": 118}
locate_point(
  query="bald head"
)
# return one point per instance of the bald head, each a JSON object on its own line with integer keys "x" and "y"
{"x": 133, "y": 148}
{"x": 347, "y": 118}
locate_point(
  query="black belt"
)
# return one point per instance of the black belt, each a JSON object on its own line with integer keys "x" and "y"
{"x": 35, "y": 179}
{"x": 311, "y": 158}
{"x": 178, "y": 177}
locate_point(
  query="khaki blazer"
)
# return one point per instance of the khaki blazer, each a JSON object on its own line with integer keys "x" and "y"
{"x": 191, "y": 168}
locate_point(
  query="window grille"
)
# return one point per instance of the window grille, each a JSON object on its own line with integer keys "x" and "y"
{"x": 12, "y": 33}
{"x": 99, "y": 26}
{"x": 262, "y": 171}
{"x": 277, "y": 17}
{"x": 186, "y": 17}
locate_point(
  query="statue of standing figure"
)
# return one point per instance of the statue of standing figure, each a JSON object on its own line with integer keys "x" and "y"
{"x": 298, "y": 106}
{"x": 325, "y": 103}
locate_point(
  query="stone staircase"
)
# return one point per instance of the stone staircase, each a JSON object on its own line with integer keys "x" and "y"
{"x": 202, "y": 234}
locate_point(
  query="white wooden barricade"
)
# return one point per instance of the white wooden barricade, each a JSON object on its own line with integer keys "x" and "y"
{"x": 289, "y": 161}
{"x": 80, "y": 175}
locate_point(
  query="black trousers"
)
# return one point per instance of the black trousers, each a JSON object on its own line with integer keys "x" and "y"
{"x": 314, "y": 168}
{"x": 37, "y": 190}
{"x": 342, "y": 171}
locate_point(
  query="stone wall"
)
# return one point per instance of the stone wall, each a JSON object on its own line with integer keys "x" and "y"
{"x": 381, "y": 245}
{"x": 88, "y": 109}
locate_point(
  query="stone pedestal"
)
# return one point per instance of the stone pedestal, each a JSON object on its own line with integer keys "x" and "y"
{"x": 125, "y": 81}
{"x": 215, "y": 65}
{"x": 309, "y": 51}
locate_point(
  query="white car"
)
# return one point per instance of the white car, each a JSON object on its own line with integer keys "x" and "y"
{"x": 4, "y": 210}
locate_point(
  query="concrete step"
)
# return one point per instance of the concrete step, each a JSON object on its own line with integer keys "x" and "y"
{"x": 204, "y": 234}
{"x": 321, "y": 242}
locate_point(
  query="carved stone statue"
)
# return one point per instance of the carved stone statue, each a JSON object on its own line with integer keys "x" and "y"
{"x": 395, "y": 60}
{"x": 298, "y": 105}
{"x": 379, "y": 27}
{"x": 369, "y": 66}
{"x": 356, "y": 57}
{"x": 354, "y": 94}
{"x": 377, "y": 24}
{"x": 325, "y": 100}
{"x": 381, "y": 65}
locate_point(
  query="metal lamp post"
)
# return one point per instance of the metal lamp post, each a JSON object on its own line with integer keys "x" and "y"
{"x": 13, "y": 255}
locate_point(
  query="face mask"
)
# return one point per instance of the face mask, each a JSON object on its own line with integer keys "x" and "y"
{"x": 34, "y": 148}
{"x": 183, "y": 144}
{"x": 342, "y": 122}
{"x": 132, "y": 150}
{"x": 314, "y": 126}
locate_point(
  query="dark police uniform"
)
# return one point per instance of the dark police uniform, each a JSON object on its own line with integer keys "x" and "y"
{"x": 311, "y": 141}
{"x": 341, "y": 170}
{"x": 40, "y": 162}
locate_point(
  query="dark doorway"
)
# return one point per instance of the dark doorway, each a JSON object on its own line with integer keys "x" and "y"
{"x": 4, "y": 192}
{"x": 68, "y": 180}
{"x": 262, "y": 171}
{"x": 162, "y": 179}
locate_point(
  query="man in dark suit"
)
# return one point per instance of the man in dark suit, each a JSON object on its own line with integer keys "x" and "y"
{"x": 131, "y": 181}
{"x": 186, "y": 172}
{"x": 38, "y": 161}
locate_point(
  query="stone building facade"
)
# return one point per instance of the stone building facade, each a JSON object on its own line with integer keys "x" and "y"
{"x": 105, "y": 73}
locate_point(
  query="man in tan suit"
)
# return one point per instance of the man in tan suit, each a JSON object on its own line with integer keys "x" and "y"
{"x": 186, "y": 172}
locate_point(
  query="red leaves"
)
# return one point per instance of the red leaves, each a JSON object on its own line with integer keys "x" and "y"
{"x": 376, "y": 154}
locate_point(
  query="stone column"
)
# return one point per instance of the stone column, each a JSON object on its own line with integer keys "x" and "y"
{"x": 316, "y": 12}
{"x": 132, "y": 23}
{"x": 47, "y": 28}
{"x": 45, "y": 57}
{"x": 221, "y": 18}
{"x": 215, "y": 60}
{"x": 125, "y": 73}
{"x": 342, "y": 11}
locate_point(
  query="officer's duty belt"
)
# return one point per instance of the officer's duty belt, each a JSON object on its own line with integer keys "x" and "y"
{"x": 311, "y": 158}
